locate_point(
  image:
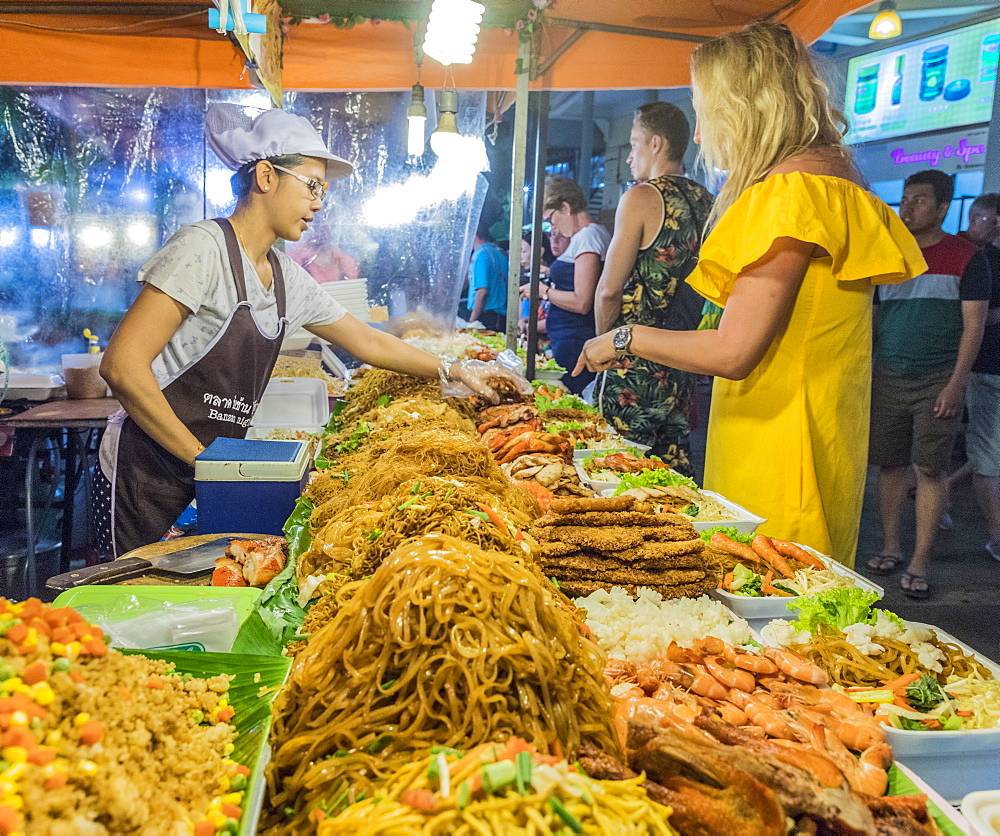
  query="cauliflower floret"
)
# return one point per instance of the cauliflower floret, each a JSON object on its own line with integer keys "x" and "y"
{"x": 915, "y": 634}
{"x": 929, "y": 656}
{"x": 885, "y": 628}
{"x": 782, "y": 634}
{"x": 863, "y": 636}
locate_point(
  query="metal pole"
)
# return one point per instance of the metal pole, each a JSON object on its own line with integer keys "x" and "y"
{"x": 541, "y": 142}
{"x": 586, "y": 141}
{"x": 524, "y": 56}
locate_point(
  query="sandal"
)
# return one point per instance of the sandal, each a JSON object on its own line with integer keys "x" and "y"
{"x": 915, "y": 586}
{"x": 884, "y": 564}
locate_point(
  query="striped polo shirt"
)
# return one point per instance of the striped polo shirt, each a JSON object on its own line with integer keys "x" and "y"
{"x": 918, "y": 325}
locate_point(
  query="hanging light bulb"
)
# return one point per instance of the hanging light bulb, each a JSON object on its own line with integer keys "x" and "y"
{"x": 452, "y": 30}
{"x": 446, "y": 139}
{"x": 416, "y": 121}
{"x": 887, "y": 23}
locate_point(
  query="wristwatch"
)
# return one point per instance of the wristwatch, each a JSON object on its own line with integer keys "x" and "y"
{"x": 623, "y": 340}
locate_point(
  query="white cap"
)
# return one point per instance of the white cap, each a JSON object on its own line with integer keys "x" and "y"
{"x": 239, "y": 139}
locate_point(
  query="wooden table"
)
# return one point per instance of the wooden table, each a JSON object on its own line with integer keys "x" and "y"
{"x": 76, "y": 425}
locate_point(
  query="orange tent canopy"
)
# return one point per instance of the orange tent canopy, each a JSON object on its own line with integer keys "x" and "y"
{"x": 154, "y": 50}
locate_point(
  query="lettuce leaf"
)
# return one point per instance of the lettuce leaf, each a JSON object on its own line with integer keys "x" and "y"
{"x": 837, "y": 608}
{"x": 663, "y": 477}
{"x": 729, "y": 531}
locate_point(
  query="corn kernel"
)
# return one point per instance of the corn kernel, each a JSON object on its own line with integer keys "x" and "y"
{"x": 224, "y": 784}
{"x": 12, "y": 683}
{"x": 14, "y": 801}
{"x": 15, "y": 754}
{"x": 15, "y": 771}
{"x": 57, "y": 648}
{"x": 228, "y": 749}
{"x": 218, "y": 819}
{"x": 31, "y": 640}
{"x": 87, "y": 767}
{"x": 7, "y": 787}
{"x": 43, "y": 693}
{"x": 19, "y": 718}
{"x": 53, "y": 737}
{"x": 73, "y": 650}
{"x": 232, "y": 798}
{"x": 80, "y": 719}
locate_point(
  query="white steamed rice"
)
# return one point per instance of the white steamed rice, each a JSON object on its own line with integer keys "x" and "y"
{"x": 639, "y": 630}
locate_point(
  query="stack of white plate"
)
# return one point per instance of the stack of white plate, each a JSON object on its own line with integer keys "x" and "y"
{"x": 352, "y": 294}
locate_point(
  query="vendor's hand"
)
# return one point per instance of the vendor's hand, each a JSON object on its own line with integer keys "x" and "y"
{"x": 598, "y": 354}
{"x": 950, "y": 401}
{"x": 477, "y": 375}
{"x": 525, "y": 291}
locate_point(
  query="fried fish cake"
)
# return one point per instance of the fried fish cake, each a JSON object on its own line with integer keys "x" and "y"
{"x": 596, "y": 503}
{"x": 577, "y": 589}
{"x": 597, "y": 519}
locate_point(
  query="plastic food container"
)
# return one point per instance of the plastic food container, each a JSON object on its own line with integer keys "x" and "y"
{"x": 34, "y": 387}
{"x": 953, "y": 762}
{"x": 83, "y": 376}
{"x": 982, "y": 811}
{"x": 249, "y": 485}
{"x": 759, "y": 611}
{"x": 746, "y": 522}
{"x": 606, "y": 482}
{"x": 620, "y": 445}
{"x": 291, "y": 403}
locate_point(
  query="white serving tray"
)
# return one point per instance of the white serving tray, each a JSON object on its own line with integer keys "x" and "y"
{"x": 624, "y": 444}
{"x": 34, "y": 387}
{"x": 771, "y": 607}
{"x": 982, "y": 810}
{"x": 953, "y": 762}
{"x": 746, "y": 522}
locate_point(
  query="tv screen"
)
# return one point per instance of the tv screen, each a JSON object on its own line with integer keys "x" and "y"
{"x": 943, "y": 81}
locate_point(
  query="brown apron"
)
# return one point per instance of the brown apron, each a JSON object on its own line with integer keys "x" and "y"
{"x": 214, "y": 396}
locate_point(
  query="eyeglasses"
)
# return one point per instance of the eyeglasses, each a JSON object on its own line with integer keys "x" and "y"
{"x": 317, "y": 188}
{"x": 548, "y": 218}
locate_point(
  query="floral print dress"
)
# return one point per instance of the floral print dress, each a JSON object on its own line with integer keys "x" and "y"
{"x": 642, "y": 400}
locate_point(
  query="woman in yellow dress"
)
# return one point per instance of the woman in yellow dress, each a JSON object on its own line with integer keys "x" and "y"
{"x": 796, "y": 245}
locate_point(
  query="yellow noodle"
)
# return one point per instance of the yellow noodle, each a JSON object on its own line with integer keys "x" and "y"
{"x": 444, "y": 644}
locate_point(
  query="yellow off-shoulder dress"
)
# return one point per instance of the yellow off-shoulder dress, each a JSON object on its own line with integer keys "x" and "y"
{"x": 790, "y": 442}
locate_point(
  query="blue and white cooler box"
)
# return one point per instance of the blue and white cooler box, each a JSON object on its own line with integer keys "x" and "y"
{"x": 249, "y": 486}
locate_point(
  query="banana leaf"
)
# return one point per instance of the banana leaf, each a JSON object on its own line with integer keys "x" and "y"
{"x": 901, "y": 784}
{"x": 278, "y": 607}
{"x": 257, "y": 680}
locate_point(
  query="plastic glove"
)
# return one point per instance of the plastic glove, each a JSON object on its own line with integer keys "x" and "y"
{"x": 474, "y": 377}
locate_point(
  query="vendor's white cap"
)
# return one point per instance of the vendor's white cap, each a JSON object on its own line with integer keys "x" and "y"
{"x": 239, "y": 139}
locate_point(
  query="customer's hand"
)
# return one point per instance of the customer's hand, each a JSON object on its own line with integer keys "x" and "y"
{"x": 598, "y": 354}
{"x": 950, "y": 401}
{"x": 484, "y": 379}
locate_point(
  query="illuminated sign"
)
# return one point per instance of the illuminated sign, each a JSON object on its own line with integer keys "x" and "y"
{"x": 943, "y": 81}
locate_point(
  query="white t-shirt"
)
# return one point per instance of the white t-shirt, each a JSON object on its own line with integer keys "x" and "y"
{"x": 193, "y": 268}
{"x": 593, "y": 238}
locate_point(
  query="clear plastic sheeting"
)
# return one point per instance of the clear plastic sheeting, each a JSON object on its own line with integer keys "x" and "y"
{"x": 93, "y": 181}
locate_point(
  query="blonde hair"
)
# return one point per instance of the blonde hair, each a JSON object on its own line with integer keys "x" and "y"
{"x": 560, "y": 190}
{"x": 759, "y": 101}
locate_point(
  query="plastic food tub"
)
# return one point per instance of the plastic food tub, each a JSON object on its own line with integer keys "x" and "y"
{"x": 621, "y": 444}
{"x": 953, "y": 762}
{"x": 759, "y": 611}
{"x": 982, "y": 811}
{"x": 746, "y": 522}
{"x": 607, "y": 481}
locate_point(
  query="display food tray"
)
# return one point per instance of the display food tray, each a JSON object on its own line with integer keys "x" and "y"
{"x": 623, "y": 444}
{"x": 746, "y": 522}
{"x": 953, "y": 762}
{"x": 607, "y": 482}
{"x": 759, "y": 611}
{"x": 904, "y": 781}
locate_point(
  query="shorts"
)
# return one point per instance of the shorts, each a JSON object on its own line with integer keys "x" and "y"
{"x": 904, "y": 429}
{"x": 982, "y": 439}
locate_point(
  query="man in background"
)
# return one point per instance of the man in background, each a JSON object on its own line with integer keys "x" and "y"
{"x": 658, "y": 227}
{"x": 928, "y": 332}
{"x": 487, "y": 299}
{"x": 983, "y": 220}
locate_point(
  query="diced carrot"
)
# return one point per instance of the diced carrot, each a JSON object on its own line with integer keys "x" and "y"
{"x": 57, "y": 617}
{"x": 881, "y": 718}
{"x": 41, "y": 625}
{"x": 81, "y": 629}
{"x": 41, "y": 756}
{"x": 226, "y": 714}
{"x": 72, "y": 617}
{"x": 96, "y": 631}
{"x": 76, "y": 676}
{"x": 231, "y": 811}
{"x": 493, "y": 515}
{"x": 18, "y": 633}
{"x": 34, "y": 673}
{"x": 91, "y": 732}
{"x": 54, "y": 782}
{"x": 204, "y": 828}
{"x": 63, "y": 635}
{"x": 901, "y": 702}
{"x": 932, "y": 723}
{"x": 963, "y": 713}
{"x": 727, "y": 581}
{"x": 475, "y": 782}
{"x": 242, "y": 770}
{"x": 901, "y": 682}
{"x": 8, "y": 819}
{"x": 556, "y": 748}
{"x": 155, "y": 684}
{"x": 317, "y": 815}
{"x": 19, "y": 737}
{"x": 419, "y": 799}
{"x": 96, "y": 647}
{"x": 126, "y": 694}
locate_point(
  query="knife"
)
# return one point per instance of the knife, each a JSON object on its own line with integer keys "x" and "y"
{"x": 185, "y": 563}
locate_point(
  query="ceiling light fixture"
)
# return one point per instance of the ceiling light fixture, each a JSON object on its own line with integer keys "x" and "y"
{"x": 452, "y": 30}
{"x": 446, "y": 139}
{"x": 416, "y": 122}
{"x": 887, "y": 23}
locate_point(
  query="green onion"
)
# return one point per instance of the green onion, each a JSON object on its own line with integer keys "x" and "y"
{"x": 448, "y": 492}
{"x": 463, "y": 795}
{"x": 378, "y": 745}
{"x": 451, "y": 753}
{"x": 385, "y": 686}
{"x": 415, "y": 488}
{"x": 571, "y": 821}
{"x": 555, "y": 583}
{"x": 385, "y": 400}
{"x": 408, "y": 503}
{"x": 374, "y": 534}
{"x": 522, "y": 763}
{"x": 498, "y": 775}
{"x": 341, "y": 753}
{"x": 361, "y": 796}
{"x": 481, "y": 514}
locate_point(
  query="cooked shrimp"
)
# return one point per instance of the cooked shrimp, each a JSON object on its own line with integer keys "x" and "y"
{"x": 695, "y": 678}
{"x": 771, "y": 556}
{"x": 867, "y": 773}
{"x": 646, "y": 678}
{"x": 762, "y": 716}
{"x": 710, "y": 645}
{"x": 753, "y": 662}
{"x": 619, "y": 670}
{"x": 730, "y": 713}
{"x": 796, "y": 665}
{"x": 731, "y": 677}
{"x": 798, "y": 553}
